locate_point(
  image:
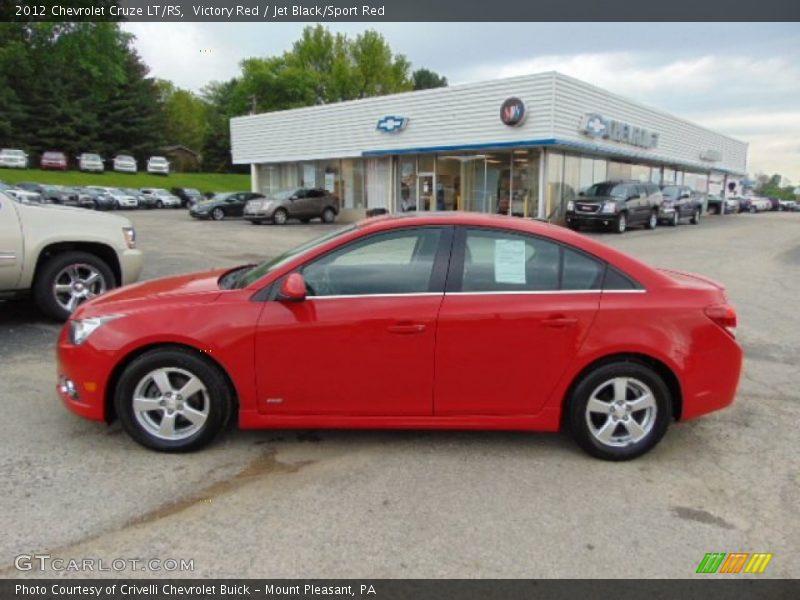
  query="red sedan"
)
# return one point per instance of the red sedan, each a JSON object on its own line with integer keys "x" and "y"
{"x": 54, "y": 160}
{"x": 462, "y": 321}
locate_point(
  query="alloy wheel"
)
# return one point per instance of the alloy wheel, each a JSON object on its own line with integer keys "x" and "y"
{"x": 171, "y": 403}
{"x": 217, "y": 214}
{"x": 621, "y": 412}
{"x": 77, "y": 283}
{"x": 280, "y": 217}
{"x": 675, "y": 219}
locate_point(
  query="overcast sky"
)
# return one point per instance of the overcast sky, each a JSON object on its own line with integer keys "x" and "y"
{"x": 739, "y": 79}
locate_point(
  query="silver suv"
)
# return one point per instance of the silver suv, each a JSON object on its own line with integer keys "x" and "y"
{"x": 297, "y": 203}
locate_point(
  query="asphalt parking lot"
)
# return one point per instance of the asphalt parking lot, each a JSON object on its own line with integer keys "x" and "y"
{"x": 419, "y": 504}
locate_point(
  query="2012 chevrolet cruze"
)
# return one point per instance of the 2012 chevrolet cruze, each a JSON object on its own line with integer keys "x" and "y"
{"x": 461, "y": 321}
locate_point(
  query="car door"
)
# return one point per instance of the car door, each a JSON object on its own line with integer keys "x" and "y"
{"x": 363, "y": 340}
{"x": 301, "y": 205}
{"x": 516, "y": 311}
{"x": 234, "y": 205}
{"x": 11, "y": 244}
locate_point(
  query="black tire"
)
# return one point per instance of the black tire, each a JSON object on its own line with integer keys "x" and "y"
{"x": 304, "y": 221}
{"x": 753, "y": 210}
{"x": 621, "y": 223}
{"x": 599, "y": 378}
{"x": 695, "y": 220}
{"x": 94, "y": 205}
{"x": 159, "y": 204}
{"x": 256, "y": 222}
{"x": 217, "y": 214}
{"x": 675, "y": 219}
{"x": 652, "y": 221}
{"x": 328, "y": 215}
{"x": 220, "y": 397}
{"x": 574, "y": 226}
{"x": 280, "y": 216}
{"x": 43, "y": 293}
{"x": 115, "y": 205}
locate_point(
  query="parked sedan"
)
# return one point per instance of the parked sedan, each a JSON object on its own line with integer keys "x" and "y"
{"x": 223, "y": 204}
{"x": 96, "y": 199}
{"x": 53, "y": 160}
{"x": 26, "y": 196}
{"x": 60, "y": 194}
{"x": 589, "y": 337}
{"x": 125, "y": 163}
{"x": 301, "y": 203}
{"x": 158, "y": 165}
{"x": 788, "y": 205}
{"x": 13, "y": 158}
{"x": 758, "y": 204}
{"x": 144, "y": 200}
{"x": 680, "y": 202}
{"x": 162, "y": 198}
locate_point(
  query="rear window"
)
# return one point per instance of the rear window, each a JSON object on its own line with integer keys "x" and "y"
{"x": 616, "y": 280}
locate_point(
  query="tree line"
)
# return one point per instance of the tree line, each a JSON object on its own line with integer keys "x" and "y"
{"x": 81, "y": 87}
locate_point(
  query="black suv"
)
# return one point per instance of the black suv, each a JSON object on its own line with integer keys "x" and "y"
{"x": 189, "y": 196}
{"x": 616, "y": 204}
{"x": 680, "y": 202}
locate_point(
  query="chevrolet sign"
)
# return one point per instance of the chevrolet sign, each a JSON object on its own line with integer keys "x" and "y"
{"x": 598, "y": 126}
{"x": 392, "y": 124}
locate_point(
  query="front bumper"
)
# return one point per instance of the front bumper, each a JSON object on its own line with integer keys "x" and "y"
{"x": 82, "y": 367}
{"x": 258, "y": 214}
{"x": 131, "y": 262}
{"x": 158, "y": 170}
{"x": 597, "y": 218}
{"x": 125, "y": 169}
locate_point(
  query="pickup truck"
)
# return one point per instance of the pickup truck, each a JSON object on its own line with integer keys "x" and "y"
{"x": 63, "y": 256}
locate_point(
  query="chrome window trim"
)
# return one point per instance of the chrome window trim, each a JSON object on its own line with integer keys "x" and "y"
{"x": 497, "y": 293}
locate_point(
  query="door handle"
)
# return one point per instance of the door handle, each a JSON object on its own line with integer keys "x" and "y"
{"x": 558, "y": 322}
{"x": 407, "y": 328}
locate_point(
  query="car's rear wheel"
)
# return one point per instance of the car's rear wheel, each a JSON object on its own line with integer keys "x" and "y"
{"x": 652, "y": 222}
{"x": 67, "y": 280}
{"x": 172, "y": 400}
{"x": 695, "y": 220}
{"x": 280, "y": 216}
{"x": 675, "y": 219}
{"x": 159, "y": 204}
{"x": 218, "y": 214}
{"x": 753, "y": 209}
{"x": 621, "y": 223}
{"x": 619, "y": 411}
{"x": 328, "y": 215}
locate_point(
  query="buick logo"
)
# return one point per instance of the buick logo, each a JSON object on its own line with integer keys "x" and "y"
{"x": 513, "y": 112}
{"x": 391, "y": 124}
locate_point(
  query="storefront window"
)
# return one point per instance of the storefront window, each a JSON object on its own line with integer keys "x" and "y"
{"x": 474, "y": 189}
{"x": 572, "y": 181}
{"x": 669, "y": 176}
{"x": 697, "y": 181}
{"x": 407, "y": 180}
{"x": 600, "y": 172}
{"x": 328, "y": 176}
{"x": 448, "y": 182}
{"x": 378, "y": 182}
{"x": 587, "y": 173}
{"x": 525, "y": 184}
{"x": 640, "y": 173}
{"x": 619, "y": 171}
{"x": 655, "y": 175}
{"x": 555, "y": 177}
{"x": 288, "y": 177}
{"x": 353, "y": 183}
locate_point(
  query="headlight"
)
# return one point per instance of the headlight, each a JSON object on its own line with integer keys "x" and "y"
{"x": 130, "y": 236}
{"x": 609, "y": 207}
{"x": 81, "y": 329}
{"x": 570, "y": 206}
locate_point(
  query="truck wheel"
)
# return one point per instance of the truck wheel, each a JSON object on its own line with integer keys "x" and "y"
{"x": 280, "y": 216}
{"x": 621, "y": 223}
{"x": 68, "y": 279}
{"x": 652, "y": 222}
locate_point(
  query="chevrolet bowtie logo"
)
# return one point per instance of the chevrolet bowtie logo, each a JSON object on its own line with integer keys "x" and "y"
{"x": 595, "y": 125}
{"x": 392, "y": 124}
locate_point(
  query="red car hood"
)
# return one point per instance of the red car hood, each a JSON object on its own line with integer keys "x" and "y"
{"x": 195, "y": 288}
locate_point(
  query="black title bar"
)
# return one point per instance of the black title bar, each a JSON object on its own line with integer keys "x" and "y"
{"x": 270, "y": 11}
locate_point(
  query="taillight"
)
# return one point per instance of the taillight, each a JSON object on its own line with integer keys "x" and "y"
{"x": 723, "y": 315}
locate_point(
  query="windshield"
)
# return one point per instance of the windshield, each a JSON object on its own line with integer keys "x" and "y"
{"x": 191, "y": 192}
{"x": 605, "y": 189}
{"x": 158, "y": 159}
{"x": 124, "y": 157}
{"x": 670, "y": 191}
{"x": 268, "y": 266}
{"x": 13, "y": 152}
{"x": 91, "y": 157}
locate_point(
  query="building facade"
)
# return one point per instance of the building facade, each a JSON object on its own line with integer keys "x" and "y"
{"x": 524, "y": 146}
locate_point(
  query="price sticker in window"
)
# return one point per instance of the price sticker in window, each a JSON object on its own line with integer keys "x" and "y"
{"x": 509, "y": 261}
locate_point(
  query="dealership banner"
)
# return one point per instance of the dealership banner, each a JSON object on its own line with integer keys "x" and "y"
{"x": 272, "y": 11}
{"x": 703, "y": 587}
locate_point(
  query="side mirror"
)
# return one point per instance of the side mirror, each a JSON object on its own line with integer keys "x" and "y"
{"x": 293, "y": 288}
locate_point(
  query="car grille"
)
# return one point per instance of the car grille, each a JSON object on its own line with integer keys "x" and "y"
{"x": 581, "y": 207}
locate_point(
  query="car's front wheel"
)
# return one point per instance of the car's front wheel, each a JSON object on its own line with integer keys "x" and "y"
{"x": 218, "y": 214}
{"x": 619, "y": 410}
{"x": 652, "y": 222}
{"x": 328, "y": 215}
{"x": 695, "y": 220}
{"x": 675, "y": 219}
{"x": 280, "y": 217}
{"x": 621, "y": 223}
{"x": 172, "y": 400}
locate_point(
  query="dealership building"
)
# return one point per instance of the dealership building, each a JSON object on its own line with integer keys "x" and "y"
{"x": 524, "y": 146}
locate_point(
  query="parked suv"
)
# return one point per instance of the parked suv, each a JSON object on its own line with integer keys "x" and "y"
{"x": 189, "y": 196}
{"x": 124, "y": 163}
{"x": 63, "y": 256}
{"x": 53, "y": 160}
{"x": 13, "y": 158}
{"x": 680, "y": 202}
{"x": 616, "y": 204}
{"x": 90, "y": 162}
{"x": 158, "y": 165}
{"x": 299, "y": 203}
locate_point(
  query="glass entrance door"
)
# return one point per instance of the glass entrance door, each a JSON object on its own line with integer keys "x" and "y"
{"x": 426, "y": 191}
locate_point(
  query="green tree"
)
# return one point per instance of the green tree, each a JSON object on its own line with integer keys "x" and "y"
{"x": 185, "y": 116}
{"x": 425, "y": 79}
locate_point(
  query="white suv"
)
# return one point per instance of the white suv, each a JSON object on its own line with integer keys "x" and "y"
{"x": 11, "y": 157}
{"x": 158, "y": 165}
{"x": 90, "y": 162}
{"x": 124, "y": 163}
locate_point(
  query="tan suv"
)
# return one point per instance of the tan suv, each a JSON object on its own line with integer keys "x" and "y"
{"x": 63, "y": 256}
{"x": 299, "y": 203}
